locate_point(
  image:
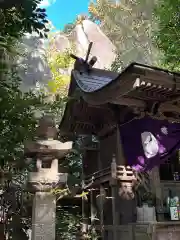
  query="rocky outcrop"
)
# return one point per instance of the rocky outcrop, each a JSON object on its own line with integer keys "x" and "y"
{"x": 80, "y": 37}
{"x": 33, "y": 67}
{"x": 103, "y": 48}
{"x": 61, "y": 42}
{"x": 35, "y": 70}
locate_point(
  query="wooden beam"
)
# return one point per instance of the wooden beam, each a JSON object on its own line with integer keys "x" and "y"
{"x": 104, "y": 107}
{"x": 106, "y": 129}
{"x": 158, "y": 78}
{"x": 130, "y": 102}
{"x": 84, "y": 123}
{"x": 168, "y": 107}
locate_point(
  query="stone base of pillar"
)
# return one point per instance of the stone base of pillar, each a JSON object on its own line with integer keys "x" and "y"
{"x": 44, "y": 216}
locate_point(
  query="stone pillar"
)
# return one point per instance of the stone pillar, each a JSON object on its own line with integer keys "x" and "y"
{"x": 43, "y": 216}
{"x": 46, "y": 151}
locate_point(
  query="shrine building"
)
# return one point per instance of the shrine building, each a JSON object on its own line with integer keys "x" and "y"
{"x": 128, "y": 123}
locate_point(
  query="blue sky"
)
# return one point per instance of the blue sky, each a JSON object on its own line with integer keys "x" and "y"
{"x": 61, "y": 12}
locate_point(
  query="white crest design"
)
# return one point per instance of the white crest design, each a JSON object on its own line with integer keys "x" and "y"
{"x": 150, "y": 144}
{"x": 164, "y": 130}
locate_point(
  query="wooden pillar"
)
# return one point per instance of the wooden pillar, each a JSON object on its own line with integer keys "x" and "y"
{"x": 93, "y": 193}
{"x": 114, "y": 215}
{"x": 113, "y": 195}
{"x": 156, "y": 183}
{"x": 84, "y": 217}
{"x": 2, "y": 232}
{"x": 84, "y": 227}
{"x": 126, "y": 208}
{"x": 99, "y": 161}
{"x": 91, "y": 203}
{"x": 102, "y": 196}
{"x": 156, "y": 190}
{"x": 120, "y": 158}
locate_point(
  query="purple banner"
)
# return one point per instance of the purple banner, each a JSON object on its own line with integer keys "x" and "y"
{"x": 148, "y": 142}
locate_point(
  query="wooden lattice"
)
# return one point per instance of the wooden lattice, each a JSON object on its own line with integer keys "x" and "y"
{"x": 125, "y": 173}
{"x": 127, "y": 178}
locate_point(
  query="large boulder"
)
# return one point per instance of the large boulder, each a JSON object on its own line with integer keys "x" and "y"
{"x": 103, "y": 49}
{"x": 80, "y": 37}
{"x": 61, "y": 42}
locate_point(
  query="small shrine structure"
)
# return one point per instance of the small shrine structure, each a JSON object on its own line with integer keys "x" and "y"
{"x": 128, "y": 123}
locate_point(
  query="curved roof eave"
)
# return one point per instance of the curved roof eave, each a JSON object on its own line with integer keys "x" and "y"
{"x": 100, "y": 87}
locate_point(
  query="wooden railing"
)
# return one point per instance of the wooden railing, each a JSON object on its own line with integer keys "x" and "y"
{"x": 122, "y": 174}
{"x": 135, "y": 231}
{"x": 102, "y": 175}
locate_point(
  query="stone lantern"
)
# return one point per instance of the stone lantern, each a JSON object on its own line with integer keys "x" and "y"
{"x": 47, "y": 152}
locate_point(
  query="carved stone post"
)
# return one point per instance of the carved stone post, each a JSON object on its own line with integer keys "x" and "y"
{"x": 46, "y": 152}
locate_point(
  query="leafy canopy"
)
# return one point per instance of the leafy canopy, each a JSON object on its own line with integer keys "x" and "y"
{"x": 60, "y": 64}
{"x": 128, "y": 24}
{"x": 167, "y": 36}
{"x": 19, "y": 17}
{"x": 16, "y": 108}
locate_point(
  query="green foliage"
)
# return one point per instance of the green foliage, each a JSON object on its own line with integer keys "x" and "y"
{"x": 25, "y": 17}
{"x": 16, "y": 109}
{"x": 68, "y": 28}
{"x": 117, "y": 63}
{"x": 60, "y": 64}
{"x": 61, "y": 60}
{"x": 67, "y": 223}
{"x": 128, "y": 24}
{"x": 167, "y": 36}
{"x": 17, "y": 118}
{"x": 142, "y": 31}
{"x": 59, "y": 83}
{"x": 18, "y": 18}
